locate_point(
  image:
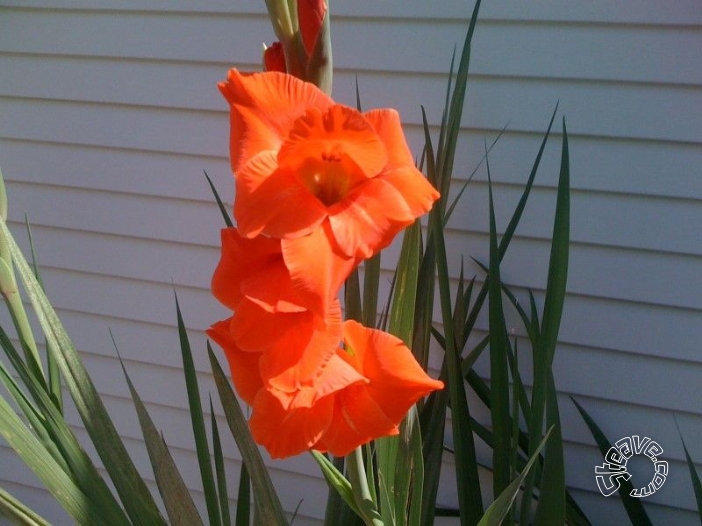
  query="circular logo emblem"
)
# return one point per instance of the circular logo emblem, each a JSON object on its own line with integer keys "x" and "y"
{"x": 610, "y": 475}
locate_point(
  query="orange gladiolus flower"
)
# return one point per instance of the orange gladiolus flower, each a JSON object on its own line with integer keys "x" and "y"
{"x": 390, "y": 382}
{"x": 303, "y": 163}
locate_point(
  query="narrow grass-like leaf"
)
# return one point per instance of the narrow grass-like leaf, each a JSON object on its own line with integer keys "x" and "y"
{"x": 394, "y": 457}
{"x": 433, "y": 424}
{"x": 268, "y": 508}
{"x": 84, "y": 510}
{"x": 633, "y": 506}
{"x": 56, "y": 436}
{"x": 353, "y": 309}
{"x": 366, "y": 506}
{"x": 36, "y": 421}
{"x": 520, "y": 392}
{"x": 198, "y": 423}
{"x": 499, "y": 348}
{"x": 528, "y": 325}
{"x": 694, "y": 477}
{"x": 459, "y": 195}
{"x": 358, "y": 97}
{"x": 424, "y": 306}
{"x": 467, "y": 481}
{"x": 18, "y": 513}
{"x": 220, "y": 471}
{"x": 131, "y": 488}
{"x": 558, "y": 263}
{"x": 176, "y": 496}
{"x": 574, "y": 514}
{"x": 15, "y": 307}
{"x": 220, "y": 204}
{"x": 455, "y": 112}
{"x": 553, "y": 309}
{"x": 336, "y": 480}
{"x": 371, "y": 282}
{"x": 243, "y": 501}
{"x": 402, "y": 310}
{"x": 52, "y": 368}
{"x": 513, "y": 359}
{"x": 414, "y": 517}
{"x": 550, "y": 508}
{"x": 499, "y": 509}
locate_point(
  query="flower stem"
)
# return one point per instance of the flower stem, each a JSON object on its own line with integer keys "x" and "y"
{"x": 361, "y": 492}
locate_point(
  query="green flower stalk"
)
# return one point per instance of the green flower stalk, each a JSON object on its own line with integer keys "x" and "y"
{"x": 10, "y": 292}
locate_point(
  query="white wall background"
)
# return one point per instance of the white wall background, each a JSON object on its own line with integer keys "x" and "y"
{"x": 109, "y": 113}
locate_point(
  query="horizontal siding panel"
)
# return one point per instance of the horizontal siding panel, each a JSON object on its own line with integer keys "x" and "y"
{"x": 123, "y": 214}
{"x": 598, "y": 110}
{"x": 153, "y": 174}
{"x": 624, "y": 53}
{"x": 631, "y": 328}
{"x": 640, "y": 332}
{"x": 639, "y": 276}
{"x": 596, "y": 218}
{"x": 135, "y": 35}
{"x": 620, "y": 377}
{"x": 177, "y": 131}
{"x": 567, "y": 51}
{"x": 125, "y": 257}
{"x": 608, "y": 511}
{"x": 620, "y": 167}
{"x": 604, "y": 272}
{"x": 130, "y": 299}
{"x": 683, "y": 12}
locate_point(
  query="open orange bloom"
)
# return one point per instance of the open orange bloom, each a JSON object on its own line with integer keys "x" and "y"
{"x": 390, "y": 382}
{"x": 303, "y": 163}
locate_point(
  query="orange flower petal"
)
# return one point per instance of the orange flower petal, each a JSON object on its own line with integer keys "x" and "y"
{"x": 418, "y": 193}
{"x": 254, "y": 268}
{"x": 238, "y": 256}
{"x": 255, "y": 329}
{"x": 335, "y": 376}
{"x": 285, "y": 433}
{"x": 263, "y": 107}
{"x": 387, "y": 124}
{"x": 317, "y": 267}
{"x": 367, "y": 219}
{"x": 243, "y": 365}
{"x": 400, "y": 170}
{"x": 297, "y": 359}
{"x": 397, "y": 381}
{"x": 357, "y": 419}
{"x": 274, "y": 201}
{"x": 331, "y": 134}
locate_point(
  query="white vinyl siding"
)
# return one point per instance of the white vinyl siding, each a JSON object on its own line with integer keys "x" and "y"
{"x": 109, "y": 113}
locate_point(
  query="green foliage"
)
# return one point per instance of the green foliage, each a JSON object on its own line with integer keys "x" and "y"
{"x": 634, "y": 507}
{"x": 694, "y": 477}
